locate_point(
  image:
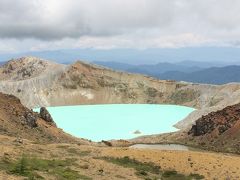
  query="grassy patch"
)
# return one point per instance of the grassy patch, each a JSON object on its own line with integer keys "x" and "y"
{"x": 196, "y": 176}
{"x": 74, "y": 151}
{"x": 174, "y": 175}
{"x": 149, "y": 170}
{"x": 77, "y": 152}
{"x": 30, "y": 166}
{"x": 132, "y": 163}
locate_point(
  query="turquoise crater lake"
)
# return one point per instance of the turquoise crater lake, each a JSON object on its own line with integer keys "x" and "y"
{"x": 117, "y": 121}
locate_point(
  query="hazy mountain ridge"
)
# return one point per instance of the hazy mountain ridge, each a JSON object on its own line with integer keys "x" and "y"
{"x": 148, "y": 69}
{"x": 204, "y": 56}
{"x": 213, "y": 75}
{"x": 182, "y": 71}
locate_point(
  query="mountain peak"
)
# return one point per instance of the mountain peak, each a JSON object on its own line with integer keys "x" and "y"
{"x": 23, "y": 68}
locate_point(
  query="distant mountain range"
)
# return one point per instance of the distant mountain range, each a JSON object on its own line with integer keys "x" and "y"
{"x": 194, "y": 56}
{"x": 149, "y": 69}
{"x": 181, "y": 71}
{"x": 199, "y": 65}
{"x": 213, "y": 75}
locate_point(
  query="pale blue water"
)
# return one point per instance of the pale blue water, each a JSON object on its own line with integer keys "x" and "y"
{"x": 117, "y": 121}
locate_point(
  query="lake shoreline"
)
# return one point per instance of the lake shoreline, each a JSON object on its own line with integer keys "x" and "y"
{"x": 118, "y": 121}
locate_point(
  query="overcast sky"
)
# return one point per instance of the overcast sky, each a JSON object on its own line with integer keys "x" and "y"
{"x": 30, "y": 25}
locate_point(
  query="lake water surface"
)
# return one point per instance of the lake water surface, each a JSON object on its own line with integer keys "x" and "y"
{"x": 117, "y": 121}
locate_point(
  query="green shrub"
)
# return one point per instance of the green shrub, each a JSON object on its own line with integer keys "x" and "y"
{"x": 150, "y": 170}
{"x": 29, "y": 166}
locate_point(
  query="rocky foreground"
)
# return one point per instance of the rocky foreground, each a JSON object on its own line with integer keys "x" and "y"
{"x": 28, "y": 159}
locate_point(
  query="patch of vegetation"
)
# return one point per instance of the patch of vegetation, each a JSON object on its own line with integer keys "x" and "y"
{"x": 132, "y": 163}
{"x": 143, "y": 170}
{"x": 74, "y": 151}
{"x": 196, "y": 176}
{"x": 77, "y": 152}
{"x": 149, "y": 170}
{"x": 172, "y": 175}
{"x": 30, "y": 166}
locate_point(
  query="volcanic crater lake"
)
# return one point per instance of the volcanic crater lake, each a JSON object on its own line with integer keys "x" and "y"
{"x": 117, "y": 121}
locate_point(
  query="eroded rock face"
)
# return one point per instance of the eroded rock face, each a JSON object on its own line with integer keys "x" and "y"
{"x": 217, "y": 122}
{"x": 45, "y": 115}
{"x": 218, "y": 131}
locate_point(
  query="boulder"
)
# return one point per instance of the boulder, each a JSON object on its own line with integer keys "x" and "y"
{"x": 30, "y": 119}
{"x": 46, "y": 116}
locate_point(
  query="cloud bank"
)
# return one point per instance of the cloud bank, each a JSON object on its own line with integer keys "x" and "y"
{"x": 43, "y": 24}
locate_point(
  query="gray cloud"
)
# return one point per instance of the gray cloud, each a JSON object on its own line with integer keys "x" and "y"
{"x": 47, "y": 19}
{"x": 154, "y": 23}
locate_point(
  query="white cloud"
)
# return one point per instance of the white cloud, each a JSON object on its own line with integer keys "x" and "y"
{"x": 46, "y": 24}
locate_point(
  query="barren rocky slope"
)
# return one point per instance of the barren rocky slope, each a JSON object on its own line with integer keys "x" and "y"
{"x": 42, "y": 83}
{"x": 218, "y": 130}
{"x": 27, "y": 78}
{"x": 20, "y": 122}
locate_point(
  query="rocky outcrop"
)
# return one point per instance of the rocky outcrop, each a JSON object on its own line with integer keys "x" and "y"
{"x": 24, "y": 68}
{"x": 31, "y": 119}
{"x": 217, "y": 122}
{"x": 218, "y": 130}
{"x": 45, "y": 115}
{"x": 19, "y": 121}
